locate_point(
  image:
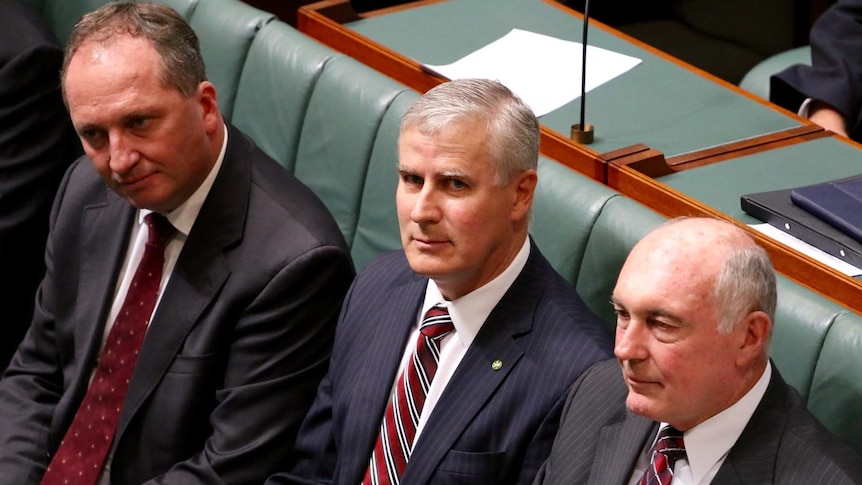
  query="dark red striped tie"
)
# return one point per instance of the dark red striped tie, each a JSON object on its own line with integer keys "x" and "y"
{"x": 395, "y": 442}
{"x": 667, "y": 449}
{"x": 81, "y": 455}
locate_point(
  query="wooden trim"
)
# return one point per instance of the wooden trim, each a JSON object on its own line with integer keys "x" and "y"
{"x": 748, "y": 146}
{"x": 797, "y": 266}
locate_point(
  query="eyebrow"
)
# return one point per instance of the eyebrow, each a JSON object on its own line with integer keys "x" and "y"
{"x": 650, "y": 313}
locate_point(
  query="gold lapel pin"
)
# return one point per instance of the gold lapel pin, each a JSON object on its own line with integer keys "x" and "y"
{"x": 497, "y": 364}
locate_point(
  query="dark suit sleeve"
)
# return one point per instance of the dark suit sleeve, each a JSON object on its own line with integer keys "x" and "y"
{"x": 279, "y": 354}
{"x": 32, "y": 386}
{"x": 314, "y": 458}
{"x": 37, "y": 144}
{"x": 835, "y": 76}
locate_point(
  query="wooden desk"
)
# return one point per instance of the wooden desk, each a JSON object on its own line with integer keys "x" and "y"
{"x": 715, "y": 190}
{"x": 690, "y": 111}
{"x": 631, "y": 155}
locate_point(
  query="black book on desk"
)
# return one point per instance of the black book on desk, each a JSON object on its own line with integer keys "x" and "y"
{"x": 777, "y": 209}
{"x": 838, "y": 202}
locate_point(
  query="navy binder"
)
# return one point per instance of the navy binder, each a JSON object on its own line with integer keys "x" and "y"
{"x": 838, "y": 202}
{"x": 776, "y": 208}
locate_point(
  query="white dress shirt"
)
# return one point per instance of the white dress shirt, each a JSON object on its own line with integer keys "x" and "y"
{"x": 468, "y": 314}
{"x": 708, "y": 443}
{"x": 182, "y": 218}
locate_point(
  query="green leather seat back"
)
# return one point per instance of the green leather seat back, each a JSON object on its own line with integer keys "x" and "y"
{"x": 62, "y": 16}
{"x": 836, "y": 392}
{"x": 226, "y": 29}
{"x": 185, "y": 8}
{"x": 620, "y": 225}
{"x": 338, "y": 134}
{"x": 377, "y": 226}
{"x": 565, "y": 207}
{"x": 802, "y": 320}
{"x": 280, "y": 73}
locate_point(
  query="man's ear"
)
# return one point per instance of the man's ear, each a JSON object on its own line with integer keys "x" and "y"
{"x": 756, "y": 330}
{"x": 206, "y": 97}
{"x": 525, "y": 186}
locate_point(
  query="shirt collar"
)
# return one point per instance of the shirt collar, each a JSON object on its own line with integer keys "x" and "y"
{"x": 711, "y": 440}
{"x": 183, "y": 217}
{"x": 471, "y": 310}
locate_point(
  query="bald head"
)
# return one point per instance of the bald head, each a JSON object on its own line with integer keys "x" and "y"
{"x": 694, "y": 303}
{"x": 719, "y": 255}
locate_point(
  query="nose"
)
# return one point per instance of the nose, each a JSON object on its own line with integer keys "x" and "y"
{"x": 425, "y": 206}
{"x": 123, "y": 155}
{"x": 630, "y": 340}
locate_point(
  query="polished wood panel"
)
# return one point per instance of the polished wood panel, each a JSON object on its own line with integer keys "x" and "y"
{"x": 630, "y": 170}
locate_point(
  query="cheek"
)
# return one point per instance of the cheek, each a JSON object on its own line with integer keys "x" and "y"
{"x": 403, "y": 205}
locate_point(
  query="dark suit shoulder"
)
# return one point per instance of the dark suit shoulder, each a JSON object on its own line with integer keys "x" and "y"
{"x": 562, "y": 321}
{"x": 280, "y": 202}
{"x": 809, "y": 453}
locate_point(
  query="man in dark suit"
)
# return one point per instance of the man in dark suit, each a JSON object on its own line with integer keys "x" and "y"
{"x": 831, "y": 86}
{"x": 517, "y": 335}
{"x": 694, "y": 396}
{"x": 37, "y": 144}
{"x": 230, "y": 267}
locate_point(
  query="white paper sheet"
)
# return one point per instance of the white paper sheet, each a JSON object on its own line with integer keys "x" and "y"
{"x": 807, "y": 249}
{"x": 543, "y": 71}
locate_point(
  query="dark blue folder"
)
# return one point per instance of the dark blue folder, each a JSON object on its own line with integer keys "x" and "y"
{"x": 776, "y": 208}
{"x": 838, "y": 202}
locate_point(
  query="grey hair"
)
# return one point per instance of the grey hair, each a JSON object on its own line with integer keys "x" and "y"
{"x": 746, "y": 280}
{"x": 745, "y": 283}
{"x": 512, "y": 128}
{"x": 171, "y": 36}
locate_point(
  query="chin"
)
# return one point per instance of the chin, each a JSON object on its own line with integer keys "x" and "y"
{"x": 641, "y": 406}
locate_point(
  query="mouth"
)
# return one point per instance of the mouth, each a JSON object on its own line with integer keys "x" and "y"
{"x": 636, "y": 383}
{"x": 428, "y": 242}
{"x": 130, "y": 183}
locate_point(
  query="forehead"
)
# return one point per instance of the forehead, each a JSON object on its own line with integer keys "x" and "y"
{"x": 120, "y": 59}
{"x": 462, "y": 145}
{"x": 122, "y": 73}
{"x": 670, "y": 275}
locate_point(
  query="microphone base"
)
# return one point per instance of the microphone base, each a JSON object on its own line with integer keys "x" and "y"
{"x": 583, "y": 135}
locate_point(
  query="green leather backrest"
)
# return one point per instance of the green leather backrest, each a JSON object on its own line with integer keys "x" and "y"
{"x": 62, "y": 15}
{"x": 836, "y": 391}
{"x": 226, "y": 29}
{"x": 186, "y": 8}
{"x": 802, "y": 320}
{"x": 279, "y": 75}
{"x": 565, "y": 207}
{"x": 377, "y": 225}
{"x": 338, "y": 135}
{"x": 621, "y": 224}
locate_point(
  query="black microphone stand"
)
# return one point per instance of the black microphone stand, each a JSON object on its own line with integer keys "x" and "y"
{"x": 583, "y": 132}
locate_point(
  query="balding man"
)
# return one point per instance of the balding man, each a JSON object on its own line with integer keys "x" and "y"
{"x": 693, "y": 398}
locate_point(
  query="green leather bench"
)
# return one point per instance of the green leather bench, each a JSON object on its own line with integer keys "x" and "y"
{"x": 334, "y": 123}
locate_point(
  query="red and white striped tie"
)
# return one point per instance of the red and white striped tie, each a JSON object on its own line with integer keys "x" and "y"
{"x": 398, "y": 430}
{"x": 668, "y": 448}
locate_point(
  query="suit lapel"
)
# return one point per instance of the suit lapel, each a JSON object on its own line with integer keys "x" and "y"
{"x": 752, "y": 458}
{"x": 382, "y": 364}
{"x": 475, "y": 380}
{"x": 104, "y": 238}
{"x": 198, "y": 276}
{"x": 618, "y": 449}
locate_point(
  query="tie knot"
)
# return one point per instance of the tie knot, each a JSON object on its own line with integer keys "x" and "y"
{"x": 160, "y": 229}
{"x": 670, "y": 443}
{"x": 437, "y": 323}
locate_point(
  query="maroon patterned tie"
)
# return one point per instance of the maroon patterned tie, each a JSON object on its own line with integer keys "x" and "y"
{"x": 395, "y": 442}
{"x": 667, "y": 449}
{"x": 81, "y": 455}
